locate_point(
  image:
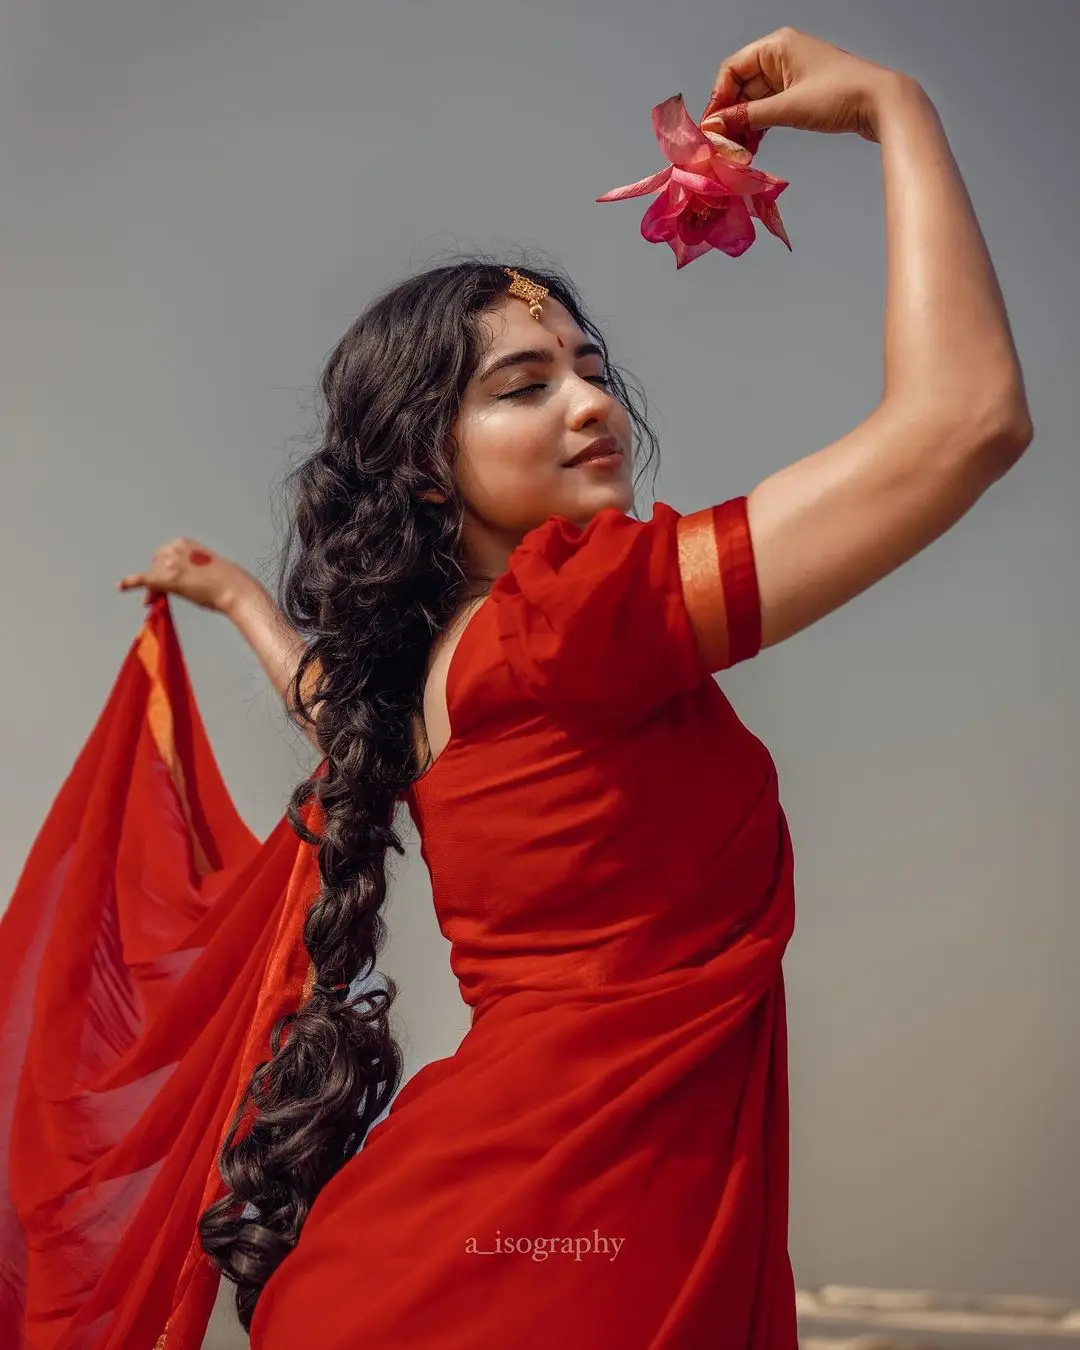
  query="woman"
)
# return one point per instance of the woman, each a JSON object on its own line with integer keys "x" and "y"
{"x": 471, "y": 618}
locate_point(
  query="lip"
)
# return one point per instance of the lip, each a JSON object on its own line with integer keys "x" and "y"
{"x": 603, "y": 446}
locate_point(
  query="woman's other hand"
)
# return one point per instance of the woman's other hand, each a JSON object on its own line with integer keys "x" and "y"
{"x": 791, "y": 79}
{"x": 186, "y": 568}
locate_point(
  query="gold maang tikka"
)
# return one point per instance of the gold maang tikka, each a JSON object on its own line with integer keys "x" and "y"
{"x": 530, "y": 291}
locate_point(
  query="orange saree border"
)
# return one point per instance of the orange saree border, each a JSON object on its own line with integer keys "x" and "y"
{"x": 719, "y": 579}
{"x": 159, "y": 717}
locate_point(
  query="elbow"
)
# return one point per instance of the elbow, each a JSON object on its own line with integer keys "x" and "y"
{"x": 1005, "y": 436}
{"x": 1021, "y": 430}
{"x": 989, "y": 440}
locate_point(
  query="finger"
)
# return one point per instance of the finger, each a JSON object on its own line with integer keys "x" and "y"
{"x": 129, "y": 582}
{"x": 754, "y": 71}
{"x": 735, "y": 72}
{"x": 725, "y": 91}
{"x": 756, "y": 114}
{"x": 733, "y": 121}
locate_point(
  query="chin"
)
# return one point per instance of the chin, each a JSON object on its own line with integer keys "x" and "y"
{"x": 619, "y": 495}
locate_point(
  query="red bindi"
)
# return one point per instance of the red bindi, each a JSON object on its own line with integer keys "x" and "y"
{"x": 559, "y": 340}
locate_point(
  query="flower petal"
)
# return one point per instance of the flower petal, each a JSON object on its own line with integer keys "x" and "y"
{"x": 769, "y": 214}
{"x": 741, "y": 180}
{"x": 681, "y": 139}
{"x": 733, "y": 229}
{"x": 660, "y": 222}
{"x": 686, "y": 253}
{"x": 700, "y": 184}
{"x": 638, "y": 189}
{"x": 696, "y": 222}
{"x": 771, "y": 190}
{"x": 729, "y": 150}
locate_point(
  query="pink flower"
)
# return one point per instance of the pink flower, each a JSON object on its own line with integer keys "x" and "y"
{"x": 710, "y": 196}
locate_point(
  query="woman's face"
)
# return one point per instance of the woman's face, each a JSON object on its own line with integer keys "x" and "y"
{"x": 522, "y": 418}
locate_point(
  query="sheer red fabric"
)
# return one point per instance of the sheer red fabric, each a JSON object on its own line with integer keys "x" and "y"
{"x": 150, "y": 945}
{"x": 612, "y": 868}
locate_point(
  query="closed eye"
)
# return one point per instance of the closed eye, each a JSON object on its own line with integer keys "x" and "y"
{"x": 602, "y": 380}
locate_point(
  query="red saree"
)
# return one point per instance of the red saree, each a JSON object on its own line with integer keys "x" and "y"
{"x": 612, "y": 867}
{"x": 150, "y": 945}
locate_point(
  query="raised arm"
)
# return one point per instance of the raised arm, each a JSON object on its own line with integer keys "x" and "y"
{"x": 184, "y": 567}
{"x": 279, "y": 648}
{"x": 953, "y": 416}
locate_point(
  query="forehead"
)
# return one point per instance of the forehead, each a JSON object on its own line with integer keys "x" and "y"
{"x": 508, "y": 326}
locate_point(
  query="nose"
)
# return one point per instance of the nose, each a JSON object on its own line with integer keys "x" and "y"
{"x": 591, "y": 403}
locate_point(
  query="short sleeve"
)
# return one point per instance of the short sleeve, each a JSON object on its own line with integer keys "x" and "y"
{"x": 621, "y": 615}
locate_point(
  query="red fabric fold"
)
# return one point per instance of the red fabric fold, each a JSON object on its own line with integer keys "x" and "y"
{"x": 625, "y": 1071}
{"x": 150, "y": 946}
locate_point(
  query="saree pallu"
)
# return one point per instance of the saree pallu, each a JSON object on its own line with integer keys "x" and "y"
{"x": 150, "y": 946}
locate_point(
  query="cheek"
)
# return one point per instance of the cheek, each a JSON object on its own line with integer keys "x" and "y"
{"x": 505, "y": 442}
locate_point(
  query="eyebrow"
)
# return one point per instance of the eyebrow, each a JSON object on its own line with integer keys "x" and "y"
{"x": 535, "y": 355}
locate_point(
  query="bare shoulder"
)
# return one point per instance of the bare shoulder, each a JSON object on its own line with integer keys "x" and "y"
{"x": 433, "y": 732}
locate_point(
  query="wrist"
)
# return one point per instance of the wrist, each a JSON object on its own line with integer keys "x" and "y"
{"x": 239, "y": 593}
{"x": 891, "y": 94}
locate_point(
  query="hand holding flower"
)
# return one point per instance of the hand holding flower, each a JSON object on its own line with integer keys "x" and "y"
{"x": 791, "y": 79}
{"x": 709, "y": 194}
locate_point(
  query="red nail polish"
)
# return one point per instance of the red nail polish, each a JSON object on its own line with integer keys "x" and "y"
{"x": 199, "y": 558}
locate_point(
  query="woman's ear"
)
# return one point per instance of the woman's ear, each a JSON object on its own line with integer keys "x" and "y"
{"x": 432, "y": 495}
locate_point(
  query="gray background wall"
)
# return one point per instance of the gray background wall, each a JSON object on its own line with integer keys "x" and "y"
{"x": 197, "y": 201}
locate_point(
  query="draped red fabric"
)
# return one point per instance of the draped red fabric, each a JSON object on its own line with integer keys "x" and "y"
{"x": 624, "y": 1075}
{"x": 602, "y": 1163}
{"x": 150, "y": 945}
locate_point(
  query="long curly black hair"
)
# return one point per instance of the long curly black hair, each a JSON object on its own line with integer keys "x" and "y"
{"x": 370, "y": 573}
